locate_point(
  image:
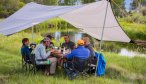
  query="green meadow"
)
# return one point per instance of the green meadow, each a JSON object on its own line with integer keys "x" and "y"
{"x": 119, "y": 69}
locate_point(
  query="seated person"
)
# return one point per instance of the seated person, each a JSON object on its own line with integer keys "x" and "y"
{"x": 92, "y": 59}
{"x": 25, "y": 50}
{"x": 68, "y": 44}
{"x": 89, "y": 46}
{"x": 41, "y": 55}
{"x": 81, "y": 53}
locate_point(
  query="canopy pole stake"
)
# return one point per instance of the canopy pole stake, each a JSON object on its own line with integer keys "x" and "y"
{"x": 32, "y": 34}
{"x": 101, "y": 41}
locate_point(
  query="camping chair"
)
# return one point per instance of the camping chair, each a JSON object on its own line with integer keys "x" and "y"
{"x": 30, "y": 64}
{"x": 92, "y": 65}
{"x": 76, "y": 67}
{"x": 33, "y": 63}
{"x": 81, "y": 66}
{"x": 41, "y": 65}
{"x": 25, "y": 63}
{"x": 34, "y": 66}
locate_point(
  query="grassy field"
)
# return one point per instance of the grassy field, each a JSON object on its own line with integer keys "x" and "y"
{"x": 134, "y": 30}
{"x": 119, "y": 70}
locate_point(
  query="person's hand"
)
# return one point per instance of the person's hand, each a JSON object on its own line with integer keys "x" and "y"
{"x": 62, "y": 56}
{"x": 32, "y": 47}
{"x": 75, "y": 46}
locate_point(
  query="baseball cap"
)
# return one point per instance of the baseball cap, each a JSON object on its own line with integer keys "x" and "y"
{"x": 80, "y": 42}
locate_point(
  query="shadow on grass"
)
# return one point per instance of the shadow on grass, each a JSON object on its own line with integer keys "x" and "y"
{"x": 118, "y": 73}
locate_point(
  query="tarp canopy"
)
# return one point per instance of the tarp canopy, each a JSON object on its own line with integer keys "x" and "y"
{"x": 89, "y": 18}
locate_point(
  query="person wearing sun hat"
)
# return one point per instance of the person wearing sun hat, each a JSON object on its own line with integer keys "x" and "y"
{"x": 80, "y": 52}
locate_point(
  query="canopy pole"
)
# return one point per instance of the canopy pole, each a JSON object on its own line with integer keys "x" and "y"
{"x": 101, "y": 41}
{"x": 32, "y": 34}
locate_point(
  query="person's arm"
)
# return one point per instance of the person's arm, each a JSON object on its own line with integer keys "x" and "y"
{"x": 72, "y": 45}
{"x": 92, "y": 52}
{"x": 30, "y": 49}
{"x": 26, "y": 52}
{"x": 70, "y": 56}
{"x": 43, "y": 53}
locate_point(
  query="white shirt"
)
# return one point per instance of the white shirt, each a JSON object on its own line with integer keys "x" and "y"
{"x": 40, "y": 52}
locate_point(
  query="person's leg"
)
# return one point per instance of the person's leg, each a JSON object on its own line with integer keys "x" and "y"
{"x": 53, "y": 61}
{"x": 47, "y": 70}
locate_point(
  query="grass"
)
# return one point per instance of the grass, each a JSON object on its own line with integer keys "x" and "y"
{"x": 134, "y": 30}
{"x": 119, "y": 70}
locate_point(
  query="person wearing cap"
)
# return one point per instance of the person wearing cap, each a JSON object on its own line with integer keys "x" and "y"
{"x": 78, "y": 57}
{"x": 41, "y": 54}
{"x": 80, "y": 52}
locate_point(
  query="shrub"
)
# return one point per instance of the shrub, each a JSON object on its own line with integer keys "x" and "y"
{"x": 143, "y": 11}
{"x": 136, "y": 17}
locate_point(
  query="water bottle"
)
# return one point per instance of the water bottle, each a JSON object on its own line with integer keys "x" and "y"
{"x": 64, "y": 51}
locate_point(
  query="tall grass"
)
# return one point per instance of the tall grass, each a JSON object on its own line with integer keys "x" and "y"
{"x": 119, "y": 70}
{"x": 134, "y": 30}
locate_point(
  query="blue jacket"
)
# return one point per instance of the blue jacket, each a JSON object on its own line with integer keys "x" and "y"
{"x": 101, "y": 64}
{"x": 25, "y": 50}
{"x": 80, "y": 52}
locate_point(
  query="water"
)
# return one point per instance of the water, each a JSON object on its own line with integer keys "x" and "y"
{"x": 74, "y": 36}
{"x": 126, "y": 52}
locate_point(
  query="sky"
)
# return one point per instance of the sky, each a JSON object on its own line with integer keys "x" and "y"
{"x": 127, "y": 4}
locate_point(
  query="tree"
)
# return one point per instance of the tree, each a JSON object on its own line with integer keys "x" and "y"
{"x": 50, "y": 2}
{"x": 87, "y": 1}
{"x": 27, "y": 1}
{"x": 8, "y": 7}
{"x": 137, "y": 4}
{"x": 116, "y": 9}
{"x": 143, "y": 11}
{"x": 67, "y": 2}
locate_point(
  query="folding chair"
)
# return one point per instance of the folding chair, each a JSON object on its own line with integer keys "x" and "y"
{"x": 25, "y": 63}
{"x": 76, "y": 67}
{"x": 81, "y": 66}
{"x": 30, "y": 65}
{"x": 33, "y": 63}
{"x": 92, "y": 65}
